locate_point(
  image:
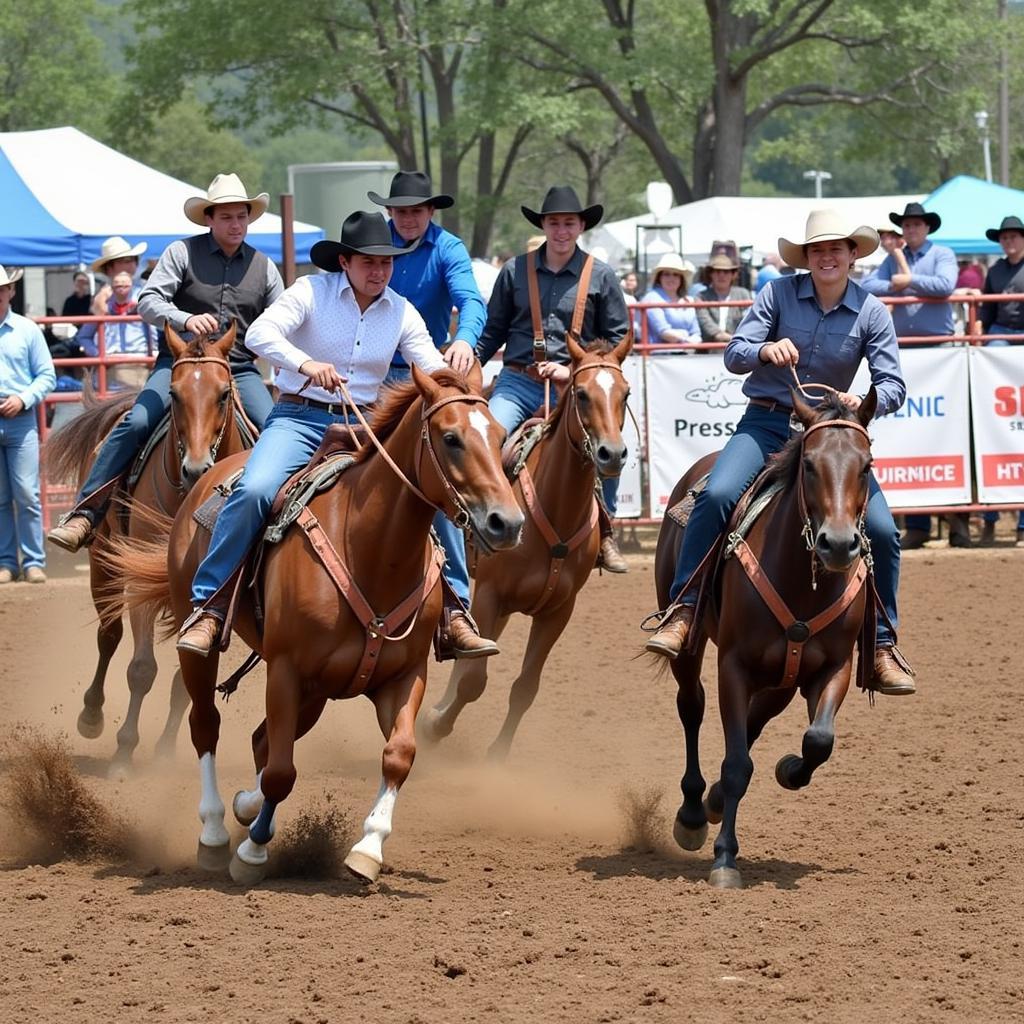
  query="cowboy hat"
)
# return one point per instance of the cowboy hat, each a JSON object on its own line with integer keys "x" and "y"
{"x": 933, "y": 220}
{"x": 675, "y": 263}
{"x": 827, "y": 226}
{"x": 722, "y": 261}
{"x": 366, "y": 233}
{"x": 15, "y": 275}
{"x": 412, "y": 188}
{"x": 563, "y": 199}
{"x": 116, "y": 248}
{"x": 1008, "y": 224}
{"x": 225, "y": 188}
{"x": 890, "y": 228}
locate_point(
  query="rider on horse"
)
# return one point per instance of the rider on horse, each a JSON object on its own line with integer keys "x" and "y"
{"x": 533, "y": 329}
{"x": 198, "y": 285}
{"x": 816, "y": 328}
{"x": 342, "y": 326}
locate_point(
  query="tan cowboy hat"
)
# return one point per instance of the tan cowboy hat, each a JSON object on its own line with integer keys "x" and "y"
{"x": 674, "y": 262}
{"x": 722, "y": 261}
{"x": 225, "y": 188}
{"x": 5, "y": 279}
{"x": 827, "y": 226}
{"x": 116, "y": 248}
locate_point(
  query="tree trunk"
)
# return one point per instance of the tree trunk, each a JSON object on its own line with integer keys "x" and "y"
{"x": 730, "y": 136}
{"x": 483, "y": 222}
{"x": 447, "y": 138}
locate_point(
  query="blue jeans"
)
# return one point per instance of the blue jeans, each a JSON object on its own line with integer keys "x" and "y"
{"x": 761, "y": 433}
{"x": 290, "y": 437}
{"x": 128, "y": 438}
{"x": 1002, "y": 329}
{"x": 610, "y": 494}
{"x": 993, "y": 517}
{"x": 21, "y": 515}
{"x": 456, "y": 569}
{"x": 515, "y": 398}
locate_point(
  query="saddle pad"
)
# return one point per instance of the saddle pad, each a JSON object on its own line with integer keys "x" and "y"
{"x": 206, "y": 514}
{"x": 142, "y": 458}
{"x": 303, "y": 489}
{"x": 680, "y": 512}
{"x": 519, "y": 445}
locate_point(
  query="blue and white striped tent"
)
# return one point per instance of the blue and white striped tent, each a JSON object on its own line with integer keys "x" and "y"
{"x": 62, "y": 193}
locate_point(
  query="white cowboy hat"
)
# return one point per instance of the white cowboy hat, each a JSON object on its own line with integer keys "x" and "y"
{"x": 225, "y": 188}
{"x": 15, "y": 275}
{"x": 827, "y": 226}
{"x": 674, "y": 262}
{"x": 116, "y": 248}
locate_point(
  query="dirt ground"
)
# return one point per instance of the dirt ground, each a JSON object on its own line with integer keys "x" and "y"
{"x": 889, "y": 890}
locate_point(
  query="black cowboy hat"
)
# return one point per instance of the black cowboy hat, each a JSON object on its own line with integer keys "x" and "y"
{"x": 1008, "y": 224}
{"x": 563, "y": 199}
{"x": 366, "y": 233}
{"x": 933, "y": 220}
{"x": 412, "y": 188}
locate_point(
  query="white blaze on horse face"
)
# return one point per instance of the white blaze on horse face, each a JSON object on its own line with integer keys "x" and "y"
{"x": 196, "y": 374}
{"x": 377, "y": 826}
{"x": 478, "y": 421}
{"x": 605, "y": 381}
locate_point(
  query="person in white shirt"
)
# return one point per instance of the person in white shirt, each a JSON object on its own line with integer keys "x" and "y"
{"x": 343, "y": 325}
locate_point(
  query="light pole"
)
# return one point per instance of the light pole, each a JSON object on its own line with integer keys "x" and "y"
{"x": 819, "y": 177}
{"x": 981, "y": 120}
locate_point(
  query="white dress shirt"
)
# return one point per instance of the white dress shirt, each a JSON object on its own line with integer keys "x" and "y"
{"x": 318, "y": 318}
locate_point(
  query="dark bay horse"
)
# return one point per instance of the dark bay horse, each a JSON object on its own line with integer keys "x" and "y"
{"x": 543, "y": 575}
{"x": 814, "y": 523}
{"x": 202, "y": 430}
{"x": 369, "y": 537}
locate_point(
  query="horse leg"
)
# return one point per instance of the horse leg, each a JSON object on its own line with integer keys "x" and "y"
{"x": 547, "y": 627}
{"x": 141, "y": 673}
{"x": 793, "y": 772}
{"x": 396, "y": 706}
{"x": 690, "y": 829}
{"x": 108, "y": 636}
{"x": 249, "y": 864}
{"x": 175, "y": 712}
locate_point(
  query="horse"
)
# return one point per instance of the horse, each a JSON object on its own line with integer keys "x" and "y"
{"x": 202, "y": 429}
{"x": 350, "y": 601}
{"x": 541, "y": 577}
{"x": 780, "y": 625}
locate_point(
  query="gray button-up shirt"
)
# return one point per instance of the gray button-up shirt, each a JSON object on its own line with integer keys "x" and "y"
{"x": 831, "y": 344}
{"x": 933, "y": 274}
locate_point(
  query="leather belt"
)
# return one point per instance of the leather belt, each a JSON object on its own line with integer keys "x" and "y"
{"x": 335, "y": 409}
{"x": 771, "y": 406}
{"x": 526, "y": 369}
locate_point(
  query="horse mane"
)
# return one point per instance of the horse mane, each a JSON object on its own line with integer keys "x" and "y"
{"x": 394, "y": 401}
{"x": 784, "y": 465}
{"x": 597, "y": 346}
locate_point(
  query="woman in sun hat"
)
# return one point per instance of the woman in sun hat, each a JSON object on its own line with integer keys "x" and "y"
{"x": 670, "y": 282}
{"x": 819, "y": 325}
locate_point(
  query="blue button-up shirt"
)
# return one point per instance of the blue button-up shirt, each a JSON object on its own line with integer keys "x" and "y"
{"x": 831, "y": 344}
{"x": 683, "y": 318}
{"x": 26, "y": 369}
{"x": 933, "y": 274}
{"x": 435, "y": 276}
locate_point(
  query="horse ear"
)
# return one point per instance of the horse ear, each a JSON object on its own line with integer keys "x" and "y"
{"x": 572, "y": 343}
{"x": 868, "y": 407}
{"x": 223, "y": 344}
{"x": 475, "y": 377}
{"x": 175, "y": 343}
{"x": 428, "y": 387}
{"x": 624, "y": 347}
{"x": 805, "y": 413}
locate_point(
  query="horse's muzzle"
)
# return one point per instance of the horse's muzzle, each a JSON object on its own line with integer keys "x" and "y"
{"x": 837, "y": 549}
{"x": 191, "y": 471}
{"x": 497, "y": 528}
{"x": 609, "y": 457}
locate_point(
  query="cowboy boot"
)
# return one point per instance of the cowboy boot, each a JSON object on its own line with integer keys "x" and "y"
{"x": 959, "y": 531}
{"x": 460, "y": 638}
{"x": 988, "y": 535}
{"x": 199, "y": 633}
{"x": 913, "y": 539}
{"x": 610, "y": 558}
{"x": 892, "y": 676}
{"x": 72, "y": 532}
{"x": 672, "y": 634}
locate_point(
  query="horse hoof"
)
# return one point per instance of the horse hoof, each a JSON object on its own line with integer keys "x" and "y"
{"x": 432, "y": 732}
{"x": 243, "y": 817}
{"x": 164, "y": 751}
{"x": 713, "y": 816}
{"x": 90, "y": 724}
{"x": 725, "y": 878}
{"x": 120, "y": 770}
{"x": 366, "y": 869}
{"x": 244, "y": 873}
{"x": 689, "y": 838}
{"x": 784, "y": 768}
{"x": 213, "y": 858}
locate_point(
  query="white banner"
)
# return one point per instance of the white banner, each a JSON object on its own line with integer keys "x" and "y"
{"x": 997, "y": 407}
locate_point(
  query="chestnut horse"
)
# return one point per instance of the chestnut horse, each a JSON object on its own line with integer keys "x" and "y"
{"x": 368, "y": 534}
{"x": 816, "y": 520}
{"x": 202, "y": 430}
{"x": 542, "y": 576}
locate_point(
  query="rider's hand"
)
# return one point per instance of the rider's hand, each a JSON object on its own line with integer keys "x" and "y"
{"x": 851, "y": 402}
{"x": 779, "y": 353}
{"x": 202, "y": 323}
{"x": 323, "y": 375}
{"x": 460, "y": 356}
{"x": 554, "y": 371}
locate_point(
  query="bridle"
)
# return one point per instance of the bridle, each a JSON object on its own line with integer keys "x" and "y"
{"x": 585, "y": 449}
{"x": 229, "y": 411}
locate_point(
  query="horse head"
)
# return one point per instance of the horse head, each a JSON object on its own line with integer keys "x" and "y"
{"x": 202, "y": 403}
{"x": 463, "y": 473}
{"x": 832, "y": 477}
{"x": 598, "y": 392}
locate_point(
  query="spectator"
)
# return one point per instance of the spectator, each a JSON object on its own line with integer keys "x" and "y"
{"x": 26, "y": 376}
{"x": 931, "y": 273}
{"x": 670, "y": 281}
{"x": 79, "y": 302}
{"x": 891, "y": 240}
{"x": 769, "y": 271}
{"x": 115, "y": 255}
{"x": 122, "y": 339}
{"x": 719, "y": 324}
{"x": 630, "y": 285}
{"x": 970, "y": 277}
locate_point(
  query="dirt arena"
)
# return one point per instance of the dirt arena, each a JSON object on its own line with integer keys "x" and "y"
{"x": 890, "y": 890}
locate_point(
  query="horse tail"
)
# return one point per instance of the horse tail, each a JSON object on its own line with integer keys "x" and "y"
{"x": 70, "y": 450}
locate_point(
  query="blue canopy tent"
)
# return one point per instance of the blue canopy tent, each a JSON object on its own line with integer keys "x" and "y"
{"x": 968, "y": 206}
{"x": 62, "y": 193}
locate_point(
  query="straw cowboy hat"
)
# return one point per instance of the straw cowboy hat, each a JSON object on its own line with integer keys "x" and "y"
{"x": 1008, "y": 224}
{"x": 225, "y": 188}
{"x": 366, "y": 233}
{"x": 827, "y": 226}
{"x": 6, "y": 279}
{"x": 933, "y": 220}
{"x": 563, "y": 199}
{"x": 677, "y": 265}
{"x": 116, "y": 248}
{"x": 722, "y": 261}
{"x": 412, "y": 188}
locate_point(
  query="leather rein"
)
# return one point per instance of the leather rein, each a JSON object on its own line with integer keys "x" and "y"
{"x": 797, "y": 631}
